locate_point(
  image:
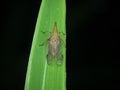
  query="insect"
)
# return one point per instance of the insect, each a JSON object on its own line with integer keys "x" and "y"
{"x": 55, "y": 46}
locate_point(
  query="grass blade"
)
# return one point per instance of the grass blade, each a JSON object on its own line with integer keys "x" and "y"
{"x": 40, "y": 75}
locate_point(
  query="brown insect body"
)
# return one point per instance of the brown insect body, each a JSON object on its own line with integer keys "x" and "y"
{"x": 54, "y": 41}
{"x": 54, "y": 46}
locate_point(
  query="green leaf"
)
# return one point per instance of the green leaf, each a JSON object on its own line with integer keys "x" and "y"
{"x": 41, "y": 75}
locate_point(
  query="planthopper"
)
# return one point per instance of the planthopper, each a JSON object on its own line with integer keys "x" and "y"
{"x": 55, "y": 46}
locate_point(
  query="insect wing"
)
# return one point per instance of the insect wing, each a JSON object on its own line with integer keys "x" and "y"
{"x": 49, "y": 58}
{"x": 60, "y": 53}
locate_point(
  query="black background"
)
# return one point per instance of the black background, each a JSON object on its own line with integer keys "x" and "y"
{"x": 93, "y": 52}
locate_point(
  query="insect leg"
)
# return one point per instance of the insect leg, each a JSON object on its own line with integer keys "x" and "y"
{"x": 42, "y": 44}
{"x": 62, "y": 33}
{"x": 46, "y": 32}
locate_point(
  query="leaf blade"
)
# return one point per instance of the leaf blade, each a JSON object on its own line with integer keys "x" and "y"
{"x": 40, "y": 75}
